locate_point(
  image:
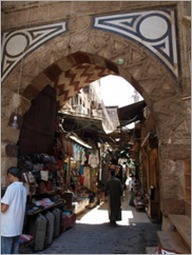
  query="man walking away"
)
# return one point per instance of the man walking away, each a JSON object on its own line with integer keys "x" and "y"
{"x": 114, "y": 192}
{"x": 13, "y": 205}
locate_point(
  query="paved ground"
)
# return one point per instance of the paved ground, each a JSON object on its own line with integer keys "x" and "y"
{"x": 92, "y": 234}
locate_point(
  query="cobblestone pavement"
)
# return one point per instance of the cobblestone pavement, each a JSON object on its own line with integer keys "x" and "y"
{"x": 92, "y": 234}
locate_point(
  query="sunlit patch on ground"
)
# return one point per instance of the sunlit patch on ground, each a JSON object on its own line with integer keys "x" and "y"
{"x": 99, "y": 215}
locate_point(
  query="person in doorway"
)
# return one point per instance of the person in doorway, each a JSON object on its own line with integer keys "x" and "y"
{"x": 13, "y": 205}
{"x": 119, "y": 173}
{"x": 131, "y": 191}
{"x": 114, "y": 193}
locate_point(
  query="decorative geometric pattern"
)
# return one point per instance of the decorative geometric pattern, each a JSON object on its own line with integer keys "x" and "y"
{"x": 80, "y": 69}
{"x": 76, "y": 78}
{"x": 156, "y": 30}
{"x": 17, "y": 44}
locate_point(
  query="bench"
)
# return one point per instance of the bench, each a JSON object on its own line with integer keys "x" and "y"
{"x": 171, "y": 240}
{"x": 182, "y": 223}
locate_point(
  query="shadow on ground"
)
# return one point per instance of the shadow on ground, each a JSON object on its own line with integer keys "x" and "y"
{"x": 104, "y": 239}
{"x": 92, "y": 234}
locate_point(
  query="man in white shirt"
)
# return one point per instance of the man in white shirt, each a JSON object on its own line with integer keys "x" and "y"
{"x": 13, "y": 205}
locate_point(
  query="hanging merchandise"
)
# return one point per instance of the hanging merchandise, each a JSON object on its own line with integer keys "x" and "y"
{"x": 82, "y": 156}
{"x": 44, "y": 175}
{"x": 86, "y": 162}
{"x": 31, "y": 178}
{"x": 94, "y": 159}
{"x": 76, "y": 152}
{"x": 81, "y": 174}
{"x": 131, "y": 163}
{"x": 29, "y": 183}
{"x": 87, "y": 182}
{"x": 25, "y": 163}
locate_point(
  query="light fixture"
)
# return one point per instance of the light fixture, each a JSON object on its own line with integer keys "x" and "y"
{"x": 120, "y": 61}
{"x": 79, "y": 141}
{"x": 14, "y": 123}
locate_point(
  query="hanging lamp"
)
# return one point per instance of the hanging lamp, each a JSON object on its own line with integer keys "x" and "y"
{"x": 15, "y": 122}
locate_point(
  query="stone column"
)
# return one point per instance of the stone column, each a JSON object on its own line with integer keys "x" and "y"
{"x": 10, "y": 137}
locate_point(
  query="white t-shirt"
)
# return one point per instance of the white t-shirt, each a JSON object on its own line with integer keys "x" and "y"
{"x": 12, "y": 220}
{"x": 131, "y": 184}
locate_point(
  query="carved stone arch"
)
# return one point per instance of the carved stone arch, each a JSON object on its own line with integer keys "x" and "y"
{"x": 160, "y": 89}
{"x": 70, "y": 73}
{"x": 110, "y": 36}
{"x": 86, "y": 50}
{"x": 99, "y": 51}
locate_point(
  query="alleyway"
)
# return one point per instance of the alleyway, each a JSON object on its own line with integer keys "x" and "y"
{"x": 92, "y": 234}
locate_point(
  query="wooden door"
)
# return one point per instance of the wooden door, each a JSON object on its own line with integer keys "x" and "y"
{"x": 37, "y": 131}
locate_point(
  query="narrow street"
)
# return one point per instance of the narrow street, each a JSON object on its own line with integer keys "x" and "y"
{"x": 92, "y": 234}
{"x": 89, "y": 87}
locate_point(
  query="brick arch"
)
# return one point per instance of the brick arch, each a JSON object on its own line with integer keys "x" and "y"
{"x": 94, "y": 54}
{"x": 160, "y": 89}
{"x": 80, "y": 69}
{"x": 70, "y": 72}
{"x": 71, "y": 61}
{"x": 103, "y": 35}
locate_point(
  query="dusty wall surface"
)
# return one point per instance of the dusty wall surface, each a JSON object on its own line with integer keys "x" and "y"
{"x": 82, "y": 54}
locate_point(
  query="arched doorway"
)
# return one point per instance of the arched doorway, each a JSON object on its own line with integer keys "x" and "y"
{"x": 82, "y": 55}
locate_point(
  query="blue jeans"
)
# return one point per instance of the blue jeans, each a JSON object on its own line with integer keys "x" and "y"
{"x": 10, "y": 245}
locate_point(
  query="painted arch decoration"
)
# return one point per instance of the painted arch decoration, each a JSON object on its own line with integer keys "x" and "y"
{"x": 156, "y": 30}
{"x": 16, "y": 44}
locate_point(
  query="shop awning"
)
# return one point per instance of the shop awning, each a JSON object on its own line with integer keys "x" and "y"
{"x": 86, "y": 127}
{"x": 131, "y": 113}
{"x": 75, "y": 123}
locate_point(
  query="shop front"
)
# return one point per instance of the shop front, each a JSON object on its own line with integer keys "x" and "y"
{"x": 59, "y": 169}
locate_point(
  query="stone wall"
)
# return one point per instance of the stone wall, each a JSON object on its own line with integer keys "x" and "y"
{"x": 166, "y": 96}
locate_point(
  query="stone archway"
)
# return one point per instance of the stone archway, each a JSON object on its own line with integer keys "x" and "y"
{"x": 83, "y": 51}
{"x": 102, "y": 49}
{"x": 70, "y": 73}
{"x": 83, "y": 70}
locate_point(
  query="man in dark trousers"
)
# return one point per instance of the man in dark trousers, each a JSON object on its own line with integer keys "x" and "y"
{"x": 114, "y": 192}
